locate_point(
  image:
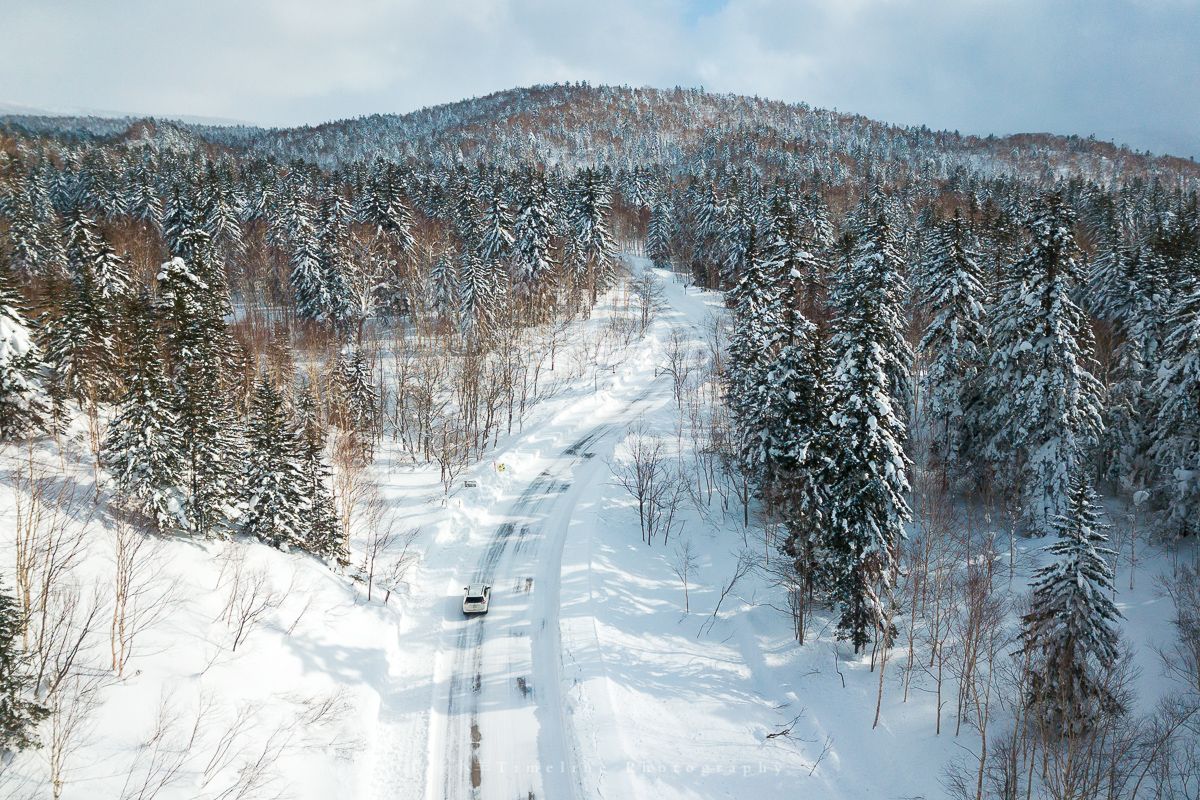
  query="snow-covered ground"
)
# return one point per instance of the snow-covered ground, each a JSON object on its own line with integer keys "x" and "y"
{"x": 586, "y": 679}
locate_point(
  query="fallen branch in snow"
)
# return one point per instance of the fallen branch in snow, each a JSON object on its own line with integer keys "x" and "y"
{"x": 837, "y": 668}
{"x": 824, "y": 752}
{"x": 787, "y": 732}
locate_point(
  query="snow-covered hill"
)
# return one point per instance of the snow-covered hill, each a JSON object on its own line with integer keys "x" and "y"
{"x": 621, "y": 126}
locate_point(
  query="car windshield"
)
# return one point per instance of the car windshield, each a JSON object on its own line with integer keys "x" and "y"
{"x": 474, "y": 598}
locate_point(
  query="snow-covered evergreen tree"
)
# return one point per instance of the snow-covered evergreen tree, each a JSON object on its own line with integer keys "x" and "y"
{"x": 660, "y": 231}
{"x": 356, "y": 391}
{"x": 35, "y": 245}
{"x": 25, "y": 407}
{"x": 81, "y": 340}
{"x": 220, "y": 211}
{"x": 309, "y": 290}
{"x": 533, "y": 229}
{"x": 444, "y": 283}
{"x": 1137, "y": 302}
{"x": 954, "y": 342}
{"x": 1070, "y": 632}
{"x": 495, "y": 229}
{"x": 291, "y": 216}
{"x": 198, "y": 343}
{"x": 478, "y": 297}
{"x": 1043, "y": 403}
{"x": 591, "y": 245}
{"x": 323, "y": 536}
{"x": 865, "y": 475}
{"x": 384, "y": 207}
{"x": 1176, "y": 426}
{"x": 143, "y": 448}
{"x": 274, "y": 487}
{"x": 20, "y": 711}
{"x": 88, "y": 251}
{"x": 333, "y": 261}
{"x": 142, "y": 197}
{"x": 873, "y": 287}
{"x": 711, "y": 219}
{"x": 798, "y": 264}
{"x": 750, "y": 351}
{"x": 795, "y": 398}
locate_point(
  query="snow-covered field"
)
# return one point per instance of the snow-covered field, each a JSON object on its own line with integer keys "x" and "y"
{"x": 263, "y": 674}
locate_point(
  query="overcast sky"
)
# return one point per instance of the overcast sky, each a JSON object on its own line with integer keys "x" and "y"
{"x": 1127, "y": 70}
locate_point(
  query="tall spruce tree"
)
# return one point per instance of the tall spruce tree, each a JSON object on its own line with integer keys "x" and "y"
{"x": 25, "y": 407}
{"x": 20, "y": 711}
{"x": 443, "y": 283}
{"x": 383, "y": 206}
{"x": 750, "y": 356}
{"x": 495, "y": 229}
{"x": 795, "y": 397}
{"x": 1043, "y": 403}
{"x": 533, "y": 230}
{"x": 198, "y": 344}
{"x": 35, "y": 244}
{"x": 800, "y": 265}
{"x": 478, "y": 297}
{"x": 186, "y": 233}
{"x": 875, "y": 276}
{"x": 143, "y": 448}
{"x": 954, "y": 342}
{"x": 591, "y": 244}
{"x": 660, "y": 231}
{"x": 322, "y": 536}
{"x": 1176, "y": 424}
{"x": 356, "y": 394}
{"x": 1129, "y": 406}
{"x": 1070, "y": 632}
{"x": 82, "y": 339}
{"x": 333, "y": 262}
{"x": 274, "y": 487}
{"x": 309, "y": 290}
{"x": 866, "y": 468}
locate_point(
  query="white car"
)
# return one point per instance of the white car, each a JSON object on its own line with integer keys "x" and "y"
{"x": 476, "y": 599}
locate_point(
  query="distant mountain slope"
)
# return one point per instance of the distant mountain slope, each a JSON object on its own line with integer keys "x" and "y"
{"x": 76, "y": 112}
{"x": 573, "y": 124}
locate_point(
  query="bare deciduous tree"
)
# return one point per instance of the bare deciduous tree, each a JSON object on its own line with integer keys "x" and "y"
{"x": 161, "y": 759}
{"x": 72, "y": 706}
{"x": 653, "y": 482}
{"x": 251, "y": 598}
{"x": 451, "y": 451}
{"x": 682, "y": 362}
{"x": 683, "y": 565}
{"x": 142, "y": 595}
{"x": 745, "y": 563}
{"x": 647, "y": 291}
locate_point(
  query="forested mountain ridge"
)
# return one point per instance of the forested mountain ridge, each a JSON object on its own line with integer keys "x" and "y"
{"x": 578, "y": 124}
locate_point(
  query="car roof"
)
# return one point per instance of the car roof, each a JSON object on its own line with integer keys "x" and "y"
{"x": 476, "y": 588}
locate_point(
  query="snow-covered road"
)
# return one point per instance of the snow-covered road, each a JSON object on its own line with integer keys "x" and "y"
{"x": 499, "y": 728}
